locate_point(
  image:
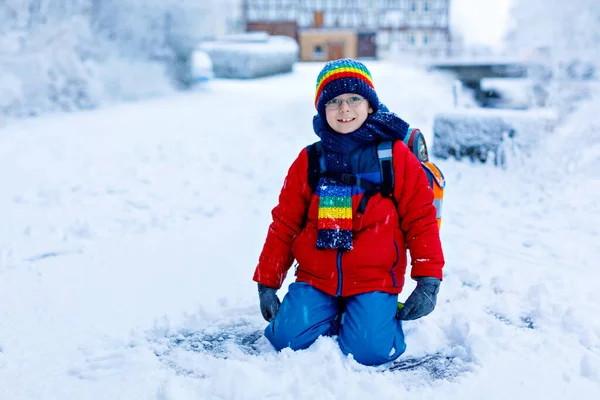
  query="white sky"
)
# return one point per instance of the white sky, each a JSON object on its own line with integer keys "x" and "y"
{"x": 481, "y": 22}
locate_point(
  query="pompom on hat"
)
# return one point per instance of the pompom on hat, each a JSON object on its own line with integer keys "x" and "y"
{"x": 344, "y": 76}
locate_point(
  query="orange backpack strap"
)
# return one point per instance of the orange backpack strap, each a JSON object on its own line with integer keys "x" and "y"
{"x": 437, "y": 183}
{"x": 436, "y": 173}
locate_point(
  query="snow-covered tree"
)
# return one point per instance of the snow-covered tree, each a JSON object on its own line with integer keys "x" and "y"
{"x": 72, "y": 54}
{"x": 153, "y": 27}
{"x": 561, "y": 41}
{"x": 568, "y": 32}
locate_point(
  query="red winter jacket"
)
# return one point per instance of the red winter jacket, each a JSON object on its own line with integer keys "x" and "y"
{"x": 380, "y": 235}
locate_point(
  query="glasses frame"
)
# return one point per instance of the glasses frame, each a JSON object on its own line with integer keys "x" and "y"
{"x": 331, "y": 106}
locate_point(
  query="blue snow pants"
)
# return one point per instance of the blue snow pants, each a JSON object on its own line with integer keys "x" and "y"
{"x": 365, "y": 324}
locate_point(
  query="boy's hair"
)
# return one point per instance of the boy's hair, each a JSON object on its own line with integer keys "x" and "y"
{"x": 344, "y": 76}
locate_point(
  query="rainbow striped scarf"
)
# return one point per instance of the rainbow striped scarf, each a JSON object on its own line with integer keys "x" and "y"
{"x": 335, "y": 215}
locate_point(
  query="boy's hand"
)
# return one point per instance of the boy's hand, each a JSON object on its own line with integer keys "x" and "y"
{"x": 421, "y": 301}
{"x": 269, "y": 302}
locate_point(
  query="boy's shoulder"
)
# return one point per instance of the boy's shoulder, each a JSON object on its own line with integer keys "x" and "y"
{"x": 399, "y": 148}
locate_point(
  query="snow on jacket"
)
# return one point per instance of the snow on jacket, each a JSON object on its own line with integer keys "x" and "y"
{"x": 381, "y": 235}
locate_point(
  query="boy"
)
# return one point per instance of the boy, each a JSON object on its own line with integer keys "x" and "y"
{"x": 351, "y": 256}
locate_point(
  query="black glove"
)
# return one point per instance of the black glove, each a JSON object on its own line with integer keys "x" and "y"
{"x": 422, "y": 300}
{"x": 269, "y": 302}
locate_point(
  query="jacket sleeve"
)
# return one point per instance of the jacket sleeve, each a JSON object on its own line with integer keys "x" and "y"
{"x": 288, "y": 219}
{"x": 417, "y": 214}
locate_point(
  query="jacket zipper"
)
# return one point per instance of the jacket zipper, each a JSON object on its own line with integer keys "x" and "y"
{"x": 339, "y": 268}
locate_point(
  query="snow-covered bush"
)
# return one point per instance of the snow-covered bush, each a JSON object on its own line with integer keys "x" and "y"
{"x": 477, "y": 133}
{"x": 252, "y": 56}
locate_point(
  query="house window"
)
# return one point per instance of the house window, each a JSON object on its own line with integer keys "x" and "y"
{"x": 413, "y": 6}
{"x": 411, "y": 40}
{"x": 318, "y": 52}
{"x": 425, "y": 7}
{"x": 425, "y": 40}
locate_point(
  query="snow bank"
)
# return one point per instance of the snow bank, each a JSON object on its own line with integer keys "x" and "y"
{"x": 251, "y": 56}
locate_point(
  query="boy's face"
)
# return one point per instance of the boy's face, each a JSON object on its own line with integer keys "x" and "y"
{"x": 347, "y": 112}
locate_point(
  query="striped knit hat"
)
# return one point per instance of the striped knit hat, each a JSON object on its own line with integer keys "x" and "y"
{"x": 344, "y": 76}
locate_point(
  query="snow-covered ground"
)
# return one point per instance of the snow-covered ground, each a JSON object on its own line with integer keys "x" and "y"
{"x": 129, "y": 235}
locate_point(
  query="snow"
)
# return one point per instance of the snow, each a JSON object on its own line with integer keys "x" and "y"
{"x": 129, "y": 229}
{"x": 515, "y": 93}
{"x": 469, "y": 61}
{"x": 201, "y": 66}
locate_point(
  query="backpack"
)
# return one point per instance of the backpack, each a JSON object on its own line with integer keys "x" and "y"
{"x": 416, "y": 143}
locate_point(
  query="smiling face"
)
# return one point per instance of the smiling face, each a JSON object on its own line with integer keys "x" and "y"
{"x": 346, "y": 118}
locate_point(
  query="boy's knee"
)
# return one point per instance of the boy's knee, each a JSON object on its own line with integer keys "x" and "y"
{"x": 372, "y": 353}
{"x": 304, "y": 315}
{"x": 287, "y": 338}
{"x": 373, "y": 348}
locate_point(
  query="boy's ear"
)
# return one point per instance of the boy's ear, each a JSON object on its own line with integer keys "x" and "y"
{"x": 370, "y": 109}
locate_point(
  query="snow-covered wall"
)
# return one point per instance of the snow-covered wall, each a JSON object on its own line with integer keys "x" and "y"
{"x": 77, "y": 54}
{"x": 252, "y": 55}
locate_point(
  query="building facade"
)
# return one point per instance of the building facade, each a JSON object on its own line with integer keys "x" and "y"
{"x": 419, "y": 27}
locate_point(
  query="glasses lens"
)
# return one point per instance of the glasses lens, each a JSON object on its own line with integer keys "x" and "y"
{"x": 335, "y": 103}
{"x": 354, "y": 101}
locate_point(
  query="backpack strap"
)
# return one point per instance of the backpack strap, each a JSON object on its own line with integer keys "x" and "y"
{"x": 386, "y": 168}
{"x": 384, "y": 153}
{"x": 316, "y": 166}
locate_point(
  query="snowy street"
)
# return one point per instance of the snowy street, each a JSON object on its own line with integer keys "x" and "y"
{"x": 126, "y": 230}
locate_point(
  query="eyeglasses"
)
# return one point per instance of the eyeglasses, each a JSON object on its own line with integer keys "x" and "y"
{"x": 336, "y": 104}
